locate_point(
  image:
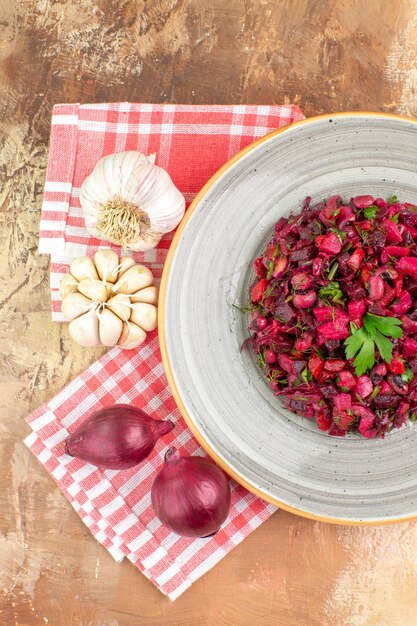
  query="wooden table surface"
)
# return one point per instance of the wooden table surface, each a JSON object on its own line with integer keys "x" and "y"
{"x": 325, "y": 56}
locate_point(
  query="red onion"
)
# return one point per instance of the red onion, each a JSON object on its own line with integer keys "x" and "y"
{"x": 117, "y": 437}
{"x": 191, "y": 495}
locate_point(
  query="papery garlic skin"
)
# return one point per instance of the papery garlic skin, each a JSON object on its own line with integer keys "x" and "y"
{"x": 130, "y": 201}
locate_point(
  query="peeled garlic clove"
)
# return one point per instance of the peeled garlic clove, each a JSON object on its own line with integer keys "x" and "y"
{"x": 109, "y": 289}
{"x": 135, "y": 278}
{"x": 83, "y": 267}
{"x": 125, "y": 263}
{"x": 144, "y": 315}
{"x": 120, "y": 306}
{"x": 107, "y": 262}
{"x": 74, "y": 305}
{"x": 84, "y": 329}
{"x": 68, "y": 285}
{"x": 149, "y": 295}
{"x": 110, "y": 328}
{"x": 93, "y": 289}
{"x": 131, "y": 337}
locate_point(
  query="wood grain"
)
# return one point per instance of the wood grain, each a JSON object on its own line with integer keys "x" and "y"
{"x": 323, "y": 55}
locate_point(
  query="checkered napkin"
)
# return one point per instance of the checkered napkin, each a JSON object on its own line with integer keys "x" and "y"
{"x": 191, "y": 142}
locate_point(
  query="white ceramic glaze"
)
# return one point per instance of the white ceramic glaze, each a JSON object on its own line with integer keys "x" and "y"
{"x": 223, "y": 396}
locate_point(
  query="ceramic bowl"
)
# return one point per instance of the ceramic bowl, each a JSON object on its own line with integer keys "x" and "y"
{"x": 220, "y": 391}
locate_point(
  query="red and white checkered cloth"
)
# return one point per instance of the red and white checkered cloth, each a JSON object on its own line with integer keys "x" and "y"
{"x": 191, "y": 142}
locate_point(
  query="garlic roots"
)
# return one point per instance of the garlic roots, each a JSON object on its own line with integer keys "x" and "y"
{"x": 130, "y": 201}
{"x": 109, "y": 301}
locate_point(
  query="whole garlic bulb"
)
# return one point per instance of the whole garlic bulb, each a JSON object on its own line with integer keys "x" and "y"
{"x": 130, "y": 201}
{"x": 109, "y": 301}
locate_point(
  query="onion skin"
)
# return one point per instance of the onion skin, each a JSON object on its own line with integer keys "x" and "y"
{"x": 191, "y": 495}
{"x": 117, "y": 437}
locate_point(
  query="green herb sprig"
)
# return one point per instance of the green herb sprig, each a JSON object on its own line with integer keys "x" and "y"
{"x": 370, "y": 212}
{"x": 373, "y": 333}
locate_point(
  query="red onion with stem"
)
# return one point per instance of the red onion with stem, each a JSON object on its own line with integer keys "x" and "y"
{"x": 191, "y": 495}
{"x": 117, "y": 437}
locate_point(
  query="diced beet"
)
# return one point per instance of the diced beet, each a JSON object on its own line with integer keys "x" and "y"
{"x": 325, "y": 377}
{"x": 346, "y": 380}
{"x": 381, "y": 203}
{"x": 396, "y": 366}
{"x": 259, "y": 289}
{"x": 384, "y": 388}
{"x": 378, "y": 239}
{"x": 330, "y": 245}
{"x": 354, "y": 291}
{"x": 333, "y": 202}
{"x": 398, "y": 285}
{"x": 345, "y": 216}
{"x": 286, "y": 363}
{"x": 324, "y": 418}
{"x": 356, "y": 309}
{"x": 325, "y": 220}
{"x": 304, "y": 342}
{"x": 270, "y": 250}
{"x": 387, "y": 401}
{"x": 342, "y": 402}
{"x": 364, "y": 386}
{"x": 364, "y": 277}
{"x": 328, "y": 391}
{"x": 365, "y": 225}
{"x": 284, "y": 311}
{"x": 333, "y": 330}
{"x": 305, "y": 301}
{"x": 409, "y": 325}
{"x": 409, "y": 348}
{"x": 412, "y": 230}
{"x": 344, "y": 420}
{"x": 260, "y": 268}
{"x": 280, "y": 267}
{"x": 335, "y": 431}
{"x": 394, "y": 251}
{"x": 407, "y": 265}
{"x": 356, "y": 259}
{"x": 376, "y": 309}
{"x": 389, "y": 295}
{"x": 305, "y": 254}
{"x": 392, "y": 230}
{"x": 332, "y": 346}
{"x": 362, "y": 202}
{"x": 282, "y": 222}
{"x": 375, "y": 288}
{"x": 402, "y": 230}
{"x": 284, "y": 247}
{"x": 367, "y": 421}
{"x": 401, "y": 414}
{"x": 334, "y": 365}
{"x": 315, "y": 365}
{"x": 319, "y": 265}
{"x": 403, "y": 305}
{"x": 306, "y": 234}
{"x": 323, "y": 313}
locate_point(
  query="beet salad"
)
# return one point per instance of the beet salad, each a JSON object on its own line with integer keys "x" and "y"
{"x": 334, "y": 309}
